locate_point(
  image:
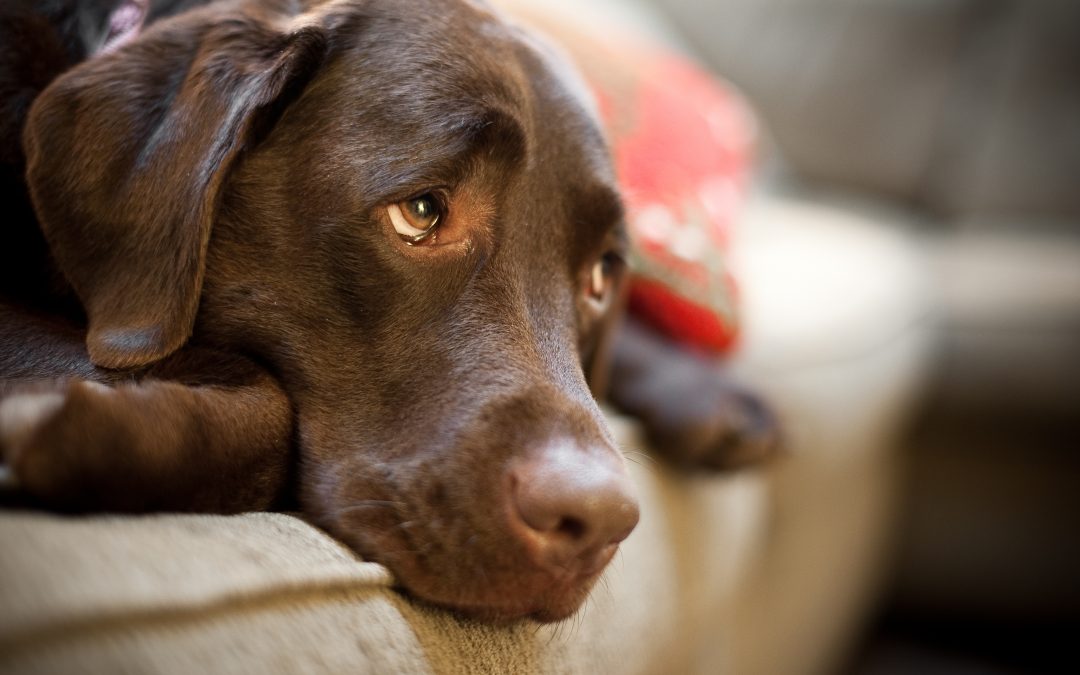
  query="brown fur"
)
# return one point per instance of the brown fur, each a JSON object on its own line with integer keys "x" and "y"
{"x": 213, "y": 195}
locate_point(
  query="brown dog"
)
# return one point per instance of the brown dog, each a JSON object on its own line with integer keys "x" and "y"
{"x": 359, "y": 252}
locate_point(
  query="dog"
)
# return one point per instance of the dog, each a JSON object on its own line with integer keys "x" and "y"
{"x": 361, "y": 258}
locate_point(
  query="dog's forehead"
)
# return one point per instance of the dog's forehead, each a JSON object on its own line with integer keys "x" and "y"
{"x": 432, "y": 56}
{"x": 430, "y": 59}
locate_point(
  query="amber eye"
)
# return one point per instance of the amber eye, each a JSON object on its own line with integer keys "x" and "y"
{"x": 416, "y": 220}
{"x": 602, "y": 277}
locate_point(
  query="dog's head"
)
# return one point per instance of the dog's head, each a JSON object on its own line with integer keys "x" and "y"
{"x": 407, "y": 211}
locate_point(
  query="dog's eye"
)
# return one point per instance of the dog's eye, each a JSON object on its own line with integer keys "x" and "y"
{"x": 602, "y": 276}
{"x": 416, "y": 220}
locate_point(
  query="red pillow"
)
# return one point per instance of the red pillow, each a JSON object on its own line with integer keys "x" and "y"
{"x": 683, "y": 143}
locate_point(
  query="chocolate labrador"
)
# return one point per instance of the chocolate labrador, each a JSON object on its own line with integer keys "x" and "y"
{"x": 361, "y": 255}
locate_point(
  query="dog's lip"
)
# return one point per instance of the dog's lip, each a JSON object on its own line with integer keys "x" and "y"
{"x": 555, "y": 595}
{"x": 550, "y": 595}
{"x": 553, "y": 603}
{"x": 545, "y": 595}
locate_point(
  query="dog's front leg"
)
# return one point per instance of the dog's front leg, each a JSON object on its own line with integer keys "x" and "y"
{"x": 216, "y": 439}
{"x": 694, "y": 413}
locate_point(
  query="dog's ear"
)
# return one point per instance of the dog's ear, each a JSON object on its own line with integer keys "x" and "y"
{"x": 127, "y": 155}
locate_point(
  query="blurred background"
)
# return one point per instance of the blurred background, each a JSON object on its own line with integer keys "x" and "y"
{"x": 942, "y": 138}
{"x": 956, "y": 123}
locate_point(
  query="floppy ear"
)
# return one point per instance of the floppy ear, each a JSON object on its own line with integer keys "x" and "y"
{"x": 127, "y": 155}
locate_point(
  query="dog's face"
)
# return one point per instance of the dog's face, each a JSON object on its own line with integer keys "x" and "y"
{"x": 406, "y": 210}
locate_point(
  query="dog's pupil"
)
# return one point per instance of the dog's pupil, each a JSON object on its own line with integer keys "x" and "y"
{"x": 422, "y": 208}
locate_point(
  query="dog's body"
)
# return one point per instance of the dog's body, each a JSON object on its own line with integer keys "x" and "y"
{"x": 213, "y": 305}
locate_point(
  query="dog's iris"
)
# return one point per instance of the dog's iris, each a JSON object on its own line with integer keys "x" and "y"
{"x": 416, "y": 219}
{"x": 601, "y": 277}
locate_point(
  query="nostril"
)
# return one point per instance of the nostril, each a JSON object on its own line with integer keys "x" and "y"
{"x": 572, "y": 502}
{"x": 571, "y": 527}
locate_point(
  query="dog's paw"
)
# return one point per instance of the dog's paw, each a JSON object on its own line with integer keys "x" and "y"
{"x": 45, "y": 441}
{"x": 717, "y": 426}
{"x": 693, "y": 412}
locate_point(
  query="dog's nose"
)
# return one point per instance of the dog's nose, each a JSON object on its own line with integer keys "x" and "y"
{"x": 574, "y": 505}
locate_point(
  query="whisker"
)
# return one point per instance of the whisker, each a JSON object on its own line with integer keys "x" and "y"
{"x": 379, "y": 502}
{"x": 368, "y": 504}
{"x": 556, "y": 632}
{"x": 618, "y": 560}
{"x": 579, "y": 618}
{"x": 605, "y": 585}
{"x": 627, "y": 452}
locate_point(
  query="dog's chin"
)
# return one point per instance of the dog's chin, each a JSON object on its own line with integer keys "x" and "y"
{"x": 500, "y": 585}
{"x": 525, "y": 593}
{"x": 556, "y": 603}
